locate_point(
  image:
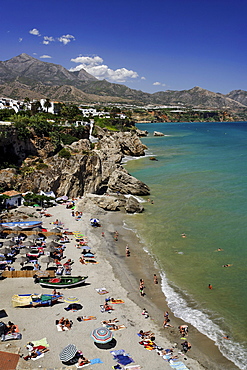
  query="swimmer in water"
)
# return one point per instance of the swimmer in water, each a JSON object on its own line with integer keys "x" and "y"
{"x": 227, "y": 265}
{"x": 183, "y": 235}
{"x": 210, "y": 286}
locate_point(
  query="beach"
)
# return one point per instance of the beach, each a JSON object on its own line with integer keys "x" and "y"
{"x": 120, "y": 276}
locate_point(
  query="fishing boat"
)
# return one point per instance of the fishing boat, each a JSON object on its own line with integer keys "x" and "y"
{"x": 34, "y": 300}
{"x": 25, "y": 225}
{"x": 60, "y": 282}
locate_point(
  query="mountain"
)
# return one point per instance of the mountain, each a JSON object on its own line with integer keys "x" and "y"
{"x": 24, "y": 76}
{"x": 238, "y": 95}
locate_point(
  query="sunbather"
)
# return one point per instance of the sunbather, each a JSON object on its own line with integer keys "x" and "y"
{"x": 107, "y": 307}
{"x": 146, "y": 334}
{"x": 82, "y": 361}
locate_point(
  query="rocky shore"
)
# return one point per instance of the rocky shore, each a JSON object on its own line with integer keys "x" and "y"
{"x": 79, "y": 169}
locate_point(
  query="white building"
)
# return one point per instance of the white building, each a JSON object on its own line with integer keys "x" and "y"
{"x": 15, "y": 198}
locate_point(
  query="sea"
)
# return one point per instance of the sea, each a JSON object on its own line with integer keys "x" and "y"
{"x": 198, "y": 188}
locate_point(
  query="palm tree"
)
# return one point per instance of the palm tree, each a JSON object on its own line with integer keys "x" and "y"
{"x": 47, "y": 104}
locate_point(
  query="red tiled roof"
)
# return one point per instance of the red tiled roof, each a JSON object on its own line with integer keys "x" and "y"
{"x": 11, "y": 193}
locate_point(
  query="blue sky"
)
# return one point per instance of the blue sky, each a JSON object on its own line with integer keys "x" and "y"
{"x": 146, "y": 45}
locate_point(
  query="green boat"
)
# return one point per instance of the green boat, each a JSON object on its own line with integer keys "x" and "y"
{"x": 60, "y": 282}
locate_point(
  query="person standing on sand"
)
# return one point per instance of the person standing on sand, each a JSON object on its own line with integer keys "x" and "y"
{"x": 127, "y": 251}
{"x": 142, "y": 288}
{"x": 155, "y": 279}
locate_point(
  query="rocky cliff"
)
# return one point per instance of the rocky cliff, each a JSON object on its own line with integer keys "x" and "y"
{"x": 83, "y": 171}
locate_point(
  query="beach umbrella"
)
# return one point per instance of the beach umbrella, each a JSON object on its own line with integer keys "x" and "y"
{"x": 24, "y": 250}
{"x": 11, "y": 235}
{"x": 28, "y": 243}
{"x": 22, "y": 259}
{"x": 68, "y": 353}
{"x": 33, "y": 237}
{"x": 50, "y": 249}
{"x": 56, "y": 230}
{"x": 17, "y": 228}
{"x": 52, "y": 244}
{"x": 47, "y": 259}
{"x": 53, "y": 237}
{"x": 94, "y": 220}
{"x": 5, "y": 250}
{"x": 8, "y": 243}
{"x": 72, "y": 300}
{"x": 102, "y": 335}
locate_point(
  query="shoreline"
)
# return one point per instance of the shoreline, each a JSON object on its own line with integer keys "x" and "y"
{"x": 141, "y": 264}
{"x": 120, "y": 275}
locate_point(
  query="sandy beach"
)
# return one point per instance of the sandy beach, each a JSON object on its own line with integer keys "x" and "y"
{"x": 119, "y": 275}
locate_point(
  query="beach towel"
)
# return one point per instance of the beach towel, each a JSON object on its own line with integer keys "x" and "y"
{"x": 86, "y": 318}
{"x": 123, "y": 359}
{"x": 132, "y": 367}
{"x": 96, "y": 361}
{"x": 116, "y": 301}
{"x": 42, "y": 342}
{"x": 36, "y": 358}
{"x": 101, "y": 291}
{"x": 110, "y": 327}
{"x": 178, "y": 365}
{"x": 117, "y": 352}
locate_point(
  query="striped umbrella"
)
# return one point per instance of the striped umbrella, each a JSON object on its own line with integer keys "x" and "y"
{"x": 68, "y": 353}
{"x": 102, "y": 335}
{"x": 72, "y": 300}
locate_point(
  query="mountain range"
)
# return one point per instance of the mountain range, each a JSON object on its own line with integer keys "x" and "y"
{"x": 25, "y": 76}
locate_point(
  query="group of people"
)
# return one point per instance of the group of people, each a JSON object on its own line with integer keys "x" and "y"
{"x": 65, "y": 324}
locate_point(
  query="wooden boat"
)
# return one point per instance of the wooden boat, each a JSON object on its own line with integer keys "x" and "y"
{"x": 61, "y": 281}
{"x": 34, "y": 300}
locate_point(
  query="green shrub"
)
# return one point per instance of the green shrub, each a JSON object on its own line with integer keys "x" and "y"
{"x": 41, "y": 166}
{"x": 64, "y": 153}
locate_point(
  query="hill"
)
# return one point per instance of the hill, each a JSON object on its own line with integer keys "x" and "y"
{"x": 24, "y": 76}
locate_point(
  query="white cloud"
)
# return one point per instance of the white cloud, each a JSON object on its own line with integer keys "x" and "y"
{"x": 35, "y": 32}
{"x": 143, "y": 78}
{"x": 94, "y": 66}
{"x": 20, "y": 39}
{"x": 90, "y": 61}
{"x": 157, "y": 83}
{"x": 45, "y": 56}
{"x": 47, "y": 40}
{"x": 65, "y": 39}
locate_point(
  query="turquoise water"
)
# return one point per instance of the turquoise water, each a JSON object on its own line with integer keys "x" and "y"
{"x": 199, "y": 187}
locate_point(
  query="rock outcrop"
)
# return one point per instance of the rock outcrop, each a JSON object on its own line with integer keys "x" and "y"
{"x": 156, "y": 133}
{"x": 124, "y": 183}
{"x": 83, "y": 171}
{"x": 133, "y": 206}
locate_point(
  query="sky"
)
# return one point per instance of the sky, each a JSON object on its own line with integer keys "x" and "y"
{"x": 146, "y": 45}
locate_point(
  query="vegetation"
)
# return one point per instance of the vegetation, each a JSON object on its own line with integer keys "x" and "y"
{"x": 64, "y": 153}
{"x": 30, "y": 199}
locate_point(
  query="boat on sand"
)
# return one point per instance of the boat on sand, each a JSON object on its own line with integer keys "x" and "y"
{"x": 60, "y": 282}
